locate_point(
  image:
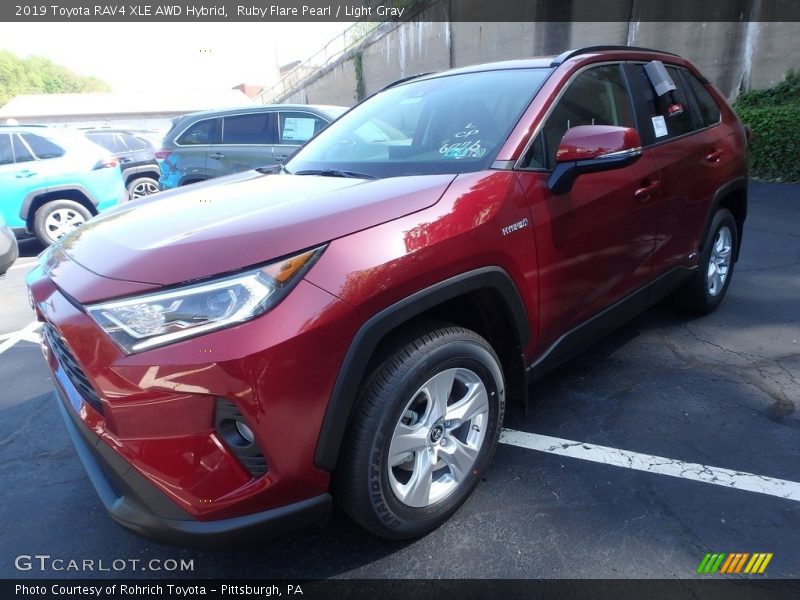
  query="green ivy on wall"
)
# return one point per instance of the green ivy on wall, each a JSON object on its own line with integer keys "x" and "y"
{"x": 361, "y": 87}
{"x": 774, "y": 115}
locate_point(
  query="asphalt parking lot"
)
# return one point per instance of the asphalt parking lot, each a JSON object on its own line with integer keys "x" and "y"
{"x": 676, "y": 436}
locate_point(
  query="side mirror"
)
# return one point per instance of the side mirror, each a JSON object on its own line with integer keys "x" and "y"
{"x": 592, "y": 148}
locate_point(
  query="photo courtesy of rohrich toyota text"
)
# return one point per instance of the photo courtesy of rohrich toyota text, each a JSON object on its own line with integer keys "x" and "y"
{"x": 400, "y": 299}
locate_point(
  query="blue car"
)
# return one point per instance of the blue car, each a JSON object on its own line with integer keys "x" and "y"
{"x": 54, "y": 180}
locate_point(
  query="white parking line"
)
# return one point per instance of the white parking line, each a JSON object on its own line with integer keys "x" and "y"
{"x": 27, "y": 334}
{"x": 740, "y": 480}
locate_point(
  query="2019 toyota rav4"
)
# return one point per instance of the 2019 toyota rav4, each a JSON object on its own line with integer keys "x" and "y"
{"x": 353, "y": 324}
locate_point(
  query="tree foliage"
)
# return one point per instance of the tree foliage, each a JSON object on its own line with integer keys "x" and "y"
{"x": 37, "y": 75}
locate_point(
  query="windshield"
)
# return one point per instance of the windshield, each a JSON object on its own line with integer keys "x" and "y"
{"x": 450, "y": 124}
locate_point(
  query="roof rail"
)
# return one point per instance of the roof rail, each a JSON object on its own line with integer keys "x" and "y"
{"x": 403, "y": 80}
{"x": 589, "y": 49}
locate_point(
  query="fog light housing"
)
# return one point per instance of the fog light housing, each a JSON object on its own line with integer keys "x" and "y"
{"x": 238, "y": 436}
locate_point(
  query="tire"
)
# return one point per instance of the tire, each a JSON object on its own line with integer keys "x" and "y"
{"x": 443, "y": 457}
{"x": 56, "y": 218}
{"x": 707, "y": 287}
{"x": 141, "y": 187}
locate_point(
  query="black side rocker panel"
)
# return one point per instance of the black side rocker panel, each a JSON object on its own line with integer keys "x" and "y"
{"x": 606, "y": 321}
{"x": 372, "y": 332}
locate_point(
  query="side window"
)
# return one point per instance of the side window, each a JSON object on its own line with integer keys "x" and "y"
{"x": 41, "y": 147}
{"x": 299, "y": 127}
{"x": 597, "y": 96}
{"x": 658, "y": 124}
{"x": 254, "y": 128}
{"x": 681, "y": 123}
{"x": 133, "y": 142}
{"x": 202, "y": 132}
{"x": 21, "y": 152}
{"x": 707, "y": 110}
{"x": 106, "y": 140}
{"x": 6, "y": 155}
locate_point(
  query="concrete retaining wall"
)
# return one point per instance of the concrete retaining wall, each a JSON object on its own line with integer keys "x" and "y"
{"x": 734, "y": 55}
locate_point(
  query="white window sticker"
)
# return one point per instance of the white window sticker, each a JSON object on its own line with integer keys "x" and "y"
{"x": 297, "y": 129}
{"x": 659, "y": 126}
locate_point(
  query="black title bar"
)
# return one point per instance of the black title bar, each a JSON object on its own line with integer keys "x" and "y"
{"x": 401, "y": 10}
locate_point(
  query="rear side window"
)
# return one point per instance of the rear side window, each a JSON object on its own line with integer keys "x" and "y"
{"x": 133, "y": 142}
{"x": 597, "y": 96}
{"x": 255, "y": 128}
{"x": 6, "y": 155}
{"x": 659, "y": 124}
{"x": 21, "y": 152}
{"x": 299, "y": 127}
{"x": 106, "y": 140}
{"x": 41, "y": 147}
{"x": 202, "y": 132}
{"x": 707, "y": 110}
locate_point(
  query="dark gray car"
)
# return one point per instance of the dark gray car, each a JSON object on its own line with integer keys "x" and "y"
{"x": 213, "y": 143}
{"x": 137, "y": 159}
{"x": 9, "y": 252}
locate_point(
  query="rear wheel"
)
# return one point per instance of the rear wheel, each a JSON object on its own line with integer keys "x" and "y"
{"x": 56, "y": 218}
{"x": 709, "y": 284}
{"x": 141, "y": 187}
{"x": 424, "y": 431}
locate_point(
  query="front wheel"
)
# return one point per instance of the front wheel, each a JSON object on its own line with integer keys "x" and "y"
{"x": 56, "y": 218}
{"x": 425, "y": 429}
{"x": 704, "y": 291}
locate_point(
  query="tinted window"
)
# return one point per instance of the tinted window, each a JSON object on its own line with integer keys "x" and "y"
{"x": 106, "y": 140}
{"x": 255, "y": 128}
{"x": 658, "y": 122}
{"x": 448, "y": 124}
{"x": 706, "y": 107}
{"x": 202, "y": 132}
{"x": 42, "y": 148}
{"x": 6, "y": 155}
{"x": 299, "y": 127}
{"x": 21, "y": 152}
{"x": 133, "y": 142}
{"x": 597, "y": 96}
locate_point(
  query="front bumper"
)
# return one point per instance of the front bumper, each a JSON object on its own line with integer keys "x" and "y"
{"x": 159, "y": 460}
{"x": 137, "y": 505}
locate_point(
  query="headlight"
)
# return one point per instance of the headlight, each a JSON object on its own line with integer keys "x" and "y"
{"x": 164, "y": 317}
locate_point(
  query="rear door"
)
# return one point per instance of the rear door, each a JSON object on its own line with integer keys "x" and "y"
{"x": 295, "y": 128}
{"x": 692, "y": 157}
{"x": 190, "y": 157}
{"x": 16, "y": 180}
{"x": 594, "y": 243}
{"x": 246, "y": 143}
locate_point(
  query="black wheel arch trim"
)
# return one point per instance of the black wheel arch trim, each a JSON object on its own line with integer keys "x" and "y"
{"x": 725, "y": 190}
{"x": 369, "y": 336}
{"x": 30, "y": 198}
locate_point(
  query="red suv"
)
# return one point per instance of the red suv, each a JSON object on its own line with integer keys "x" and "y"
{"x": 231, "y": 356}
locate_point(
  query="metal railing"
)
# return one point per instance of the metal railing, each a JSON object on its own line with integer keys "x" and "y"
{"x": 337, "y": 47}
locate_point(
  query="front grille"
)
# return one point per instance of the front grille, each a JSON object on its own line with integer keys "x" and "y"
{"x": 72, "y": 368}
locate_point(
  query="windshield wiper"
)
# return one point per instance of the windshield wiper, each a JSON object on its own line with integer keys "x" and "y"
{"x": 336, "y": 173}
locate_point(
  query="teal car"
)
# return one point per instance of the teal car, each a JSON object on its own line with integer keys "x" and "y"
{"x": 54, "y": 180}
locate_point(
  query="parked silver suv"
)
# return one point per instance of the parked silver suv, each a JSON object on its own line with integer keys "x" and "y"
{"x": 213, "y": 143}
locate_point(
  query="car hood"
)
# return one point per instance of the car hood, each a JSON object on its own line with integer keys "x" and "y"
{"x": 239, "y": 221}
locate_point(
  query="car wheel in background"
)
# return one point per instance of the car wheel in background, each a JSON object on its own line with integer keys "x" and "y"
{"x": 424, "y": 431}
{"x": 57, "y": 218}
{"x": 141, "y": 187}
